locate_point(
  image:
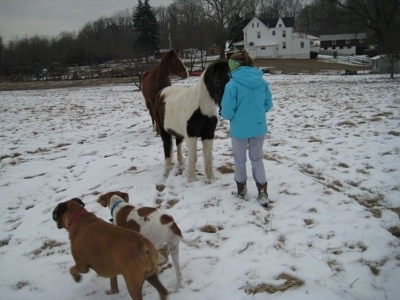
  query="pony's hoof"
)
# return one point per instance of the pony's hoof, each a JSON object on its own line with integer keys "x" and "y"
{"x": 211, "y": 180}
{"x": 192, "y": 179}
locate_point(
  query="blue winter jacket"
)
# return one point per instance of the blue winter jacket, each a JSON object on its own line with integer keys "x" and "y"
{"x": 246, "y": 100}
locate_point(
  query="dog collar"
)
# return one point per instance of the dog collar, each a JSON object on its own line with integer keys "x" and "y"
{"x": 114, "y": 206}
{"x": 76, "y": 216}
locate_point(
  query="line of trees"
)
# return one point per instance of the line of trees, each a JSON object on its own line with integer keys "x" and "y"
{"x": 134, "y": 34}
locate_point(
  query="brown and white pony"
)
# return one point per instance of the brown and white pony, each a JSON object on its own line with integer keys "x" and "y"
{"x": 190, "y": 113}
{"x": 158, "y": 78}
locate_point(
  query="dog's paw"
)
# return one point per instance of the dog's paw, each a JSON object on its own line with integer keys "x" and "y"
{"x": 112, "y": 292}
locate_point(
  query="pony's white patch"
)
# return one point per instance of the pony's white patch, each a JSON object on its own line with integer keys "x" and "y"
{"x": 180, "y": 104}
{"x": 183, "y": 101}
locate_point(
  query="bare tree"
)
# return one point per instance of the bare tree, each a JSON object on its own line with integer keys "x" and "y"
{"x": 291, "y": 8}
{"x": 220, "y": 13}
{"x": 383, "y": 17}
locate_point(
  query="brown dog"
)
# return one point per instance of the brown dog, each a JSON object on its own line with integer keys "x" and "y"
{"x": 155, "y": 224}
{"x": 108, "y": 249}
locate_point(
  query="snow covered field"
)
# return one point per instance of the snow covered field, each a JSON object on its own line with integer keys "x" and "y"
{"x": 332, "y": 160}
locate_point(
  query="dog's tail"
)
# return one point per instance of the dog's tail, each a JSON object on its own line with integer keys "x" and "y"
{"x": 189, "y": 242}
{"x": 177, "y": 231}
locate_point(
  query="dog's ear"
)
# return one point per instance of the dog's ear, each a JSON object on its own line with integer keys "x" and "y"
{"x": 125, "y": 196}
{"x": 102, "y": 201}
{"x": 79, "y": 201}
{"x": 58, "y": 212}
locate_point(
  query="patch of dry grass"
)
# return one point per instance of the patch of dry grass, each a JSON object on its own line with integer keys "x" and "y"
{"x": 248, "y": 245}
{"x": 160, "y": 187}
{"x": 308, "y": 222}
{"x": 343, "y": 165}
{"x": 47, "y": 245}
{"x": 228, "y": 168}
{"x": 4, "y": 242}
{"x": 14, "y": 155}
{"x": 209, "y": 229}
{"x": 33, "y": 176}
{"x": 39, "y": 150}
{"x": 171, "y": 203}
{"x": 374, "y": 265}
{"x": 313, "y": 139}
{"x": 309, "y": 170}
{"x": 290, "y": 282}
{"x": 383, "y": 114}
{"x": 21, "y": 284}
{"x": 347, "y": 123}
{"x": 280, "y": 242}
{"x": 395, "y": 230}
{"x": 334, "y": 265}
{"x": 395, "y": 133}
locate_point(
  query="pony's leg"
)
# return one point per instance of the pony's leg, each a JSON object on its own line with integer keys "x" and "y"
{"x": 153, "y": 122}
{"x": 192, "y": 158}
{"x": 208, "y": 158}
{"x": 149, "y": 107}
{"x": 167, "y": 144}
{"x": 179, "y": 151}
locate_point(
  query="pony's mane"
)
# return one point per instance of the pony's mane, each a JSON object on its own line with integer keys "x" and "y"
{"x": 214, "y": 70}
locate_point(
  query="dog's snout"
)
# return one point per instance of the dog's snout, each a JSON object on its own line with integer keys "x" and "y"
{"x": 54, "y": 215}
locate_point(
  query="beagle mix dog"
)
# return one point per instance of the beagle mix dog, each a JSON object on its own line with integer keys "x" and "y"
{"x": 154, "y": 224}
{"x": 107, "y": 249}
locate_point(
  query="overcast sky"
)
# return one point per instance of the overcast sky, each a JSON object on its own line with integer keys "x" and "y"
{"x": 22, "y": 18}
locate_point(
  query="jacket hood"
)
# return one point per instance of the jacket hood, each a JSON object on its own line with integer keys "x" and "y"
{"x": 247, "y": 76}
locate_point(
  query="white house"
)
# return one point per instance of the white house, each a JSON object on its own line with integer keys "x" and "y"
{"x": 275, "y": 38}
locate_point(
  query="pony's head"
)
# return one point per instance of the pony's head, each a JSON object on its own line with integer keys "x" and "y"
{"x": 175, "y": 64}
{"x": 216, "y": 76}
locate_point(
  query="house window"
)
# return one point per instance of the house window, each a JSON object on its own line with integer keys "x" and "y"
{"x": 252, "y": 25}
{"x": 262, "y": 48}
{"x": 284, "y": 33}
{"x": 258, "y": 25}
{"x": 251, "y": 44}
{"x": 273, "y": 32}
{"x": 284, "y": 45}
{"x": 280, "y": 25}
{"x": 302, "y": 45}
{"x": 333, "y": 42}
{"x": 347, "y": 42}
{"x": 259, "y": 34}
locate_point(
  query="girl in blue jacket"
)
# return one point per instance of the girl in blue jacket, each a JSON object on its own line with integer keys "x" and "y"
{"x": 246, "y": 100}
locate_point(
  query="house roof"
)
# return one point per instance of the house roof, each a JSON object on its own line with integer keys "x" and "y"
{"x": 382, "y": 56}
{"x": 342, "y": 37}
{"x": 271, "y": 22}
{"x": 306, "y": 36}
